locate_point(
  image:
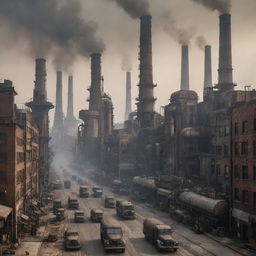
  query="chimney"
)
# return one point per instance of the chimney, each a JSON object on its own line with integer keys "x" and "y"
{"x": 207, "y": 69}
{"x": 95, "y": 89}
{"x": 225, "y": 70}
{"x": 128, "y": 105}
{"x": 40, "y": 94}
{"x": 70, "y": 110}
{"x": 146, "y": 98}
{"x": 58, "y": 117}
{"x": 184, "y": 85}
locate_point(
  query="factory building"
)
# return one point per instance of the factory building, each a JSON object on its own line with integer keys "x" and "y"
{"x": 19, "y": 169}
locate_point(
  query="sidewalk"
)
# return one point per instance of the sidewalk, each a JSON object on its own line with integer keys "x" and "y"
{"x": 31, "y": 247}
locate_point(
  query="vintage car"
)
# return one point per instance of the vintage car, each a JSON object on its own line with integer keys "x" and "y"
{"x": 84, "y": 191}
{"x": 125, "y": 209}
{"x": 72, "y": 240}
{"x": 110, "y": 202}
{"x": 56, "y": 205}
{"x": 67, "y": 184}
{"x": 111, "y": 235}
{"x": 159, "y": 234}
{"x": 73, "y": 203}
{"x": 79, "y": 216}
{"x": 97, "y": 192}
{"x": 60, "y": 214}
{"x": 96, "y": 215}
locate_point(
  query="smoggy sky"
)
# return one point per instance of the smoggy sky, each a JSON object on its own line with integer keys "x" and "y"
{"x": 120, "y": 33}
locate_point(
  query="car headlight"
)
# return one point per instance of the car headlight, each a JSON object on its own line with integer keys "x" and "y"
{"x": 107, "y": 242}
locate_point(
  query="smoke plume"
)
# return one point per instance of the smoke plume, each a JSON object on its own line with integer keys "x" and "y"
{"x": 126, "y": 63}
{"x": 201, "y": 42}
{"x": 51, "y": 28}
{"x": 181, "y": 35}
{"x": 222, "y": 6}
{"x": 135, "y": 8}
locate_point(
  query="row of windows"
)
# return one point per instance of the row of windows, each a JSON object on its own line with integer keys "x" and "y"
{"x": 222, "y": 150}
{"x": 242, "y": 148}
{"x": 244, "y": 128}
{"x": 243, "y": 172}
{"x": 225, "y": 171}
{"x": 223, "y": 131}
{"x": 244, "y": 196}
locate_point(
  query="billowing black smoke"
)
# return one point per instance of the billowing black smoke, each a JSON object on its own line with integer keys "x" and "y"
{"x": 222, "y": 6}
{"x": 135, "y": 8}
{"x": 51, "y": 28}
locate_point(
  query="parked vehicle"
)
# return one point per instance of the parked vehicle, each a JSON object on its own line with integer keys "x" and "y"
{"x": 56, "y": 205}
{"x": 97, "y": 192}
{"x": 84, "y": 191}
{"x": 110, "y": 202}
{"x": 57, "y": 185}
{"x": 73, "y": 203}
{"x": 60, "y": 214}
{"x": 96, "y": 215}
{"x": 72, "y": 240}
{"x": 125, "y": 209}
{"x": 112, "y": 235}
{"x": 67, "y": 184}
{"x": 159, "y": 234}
{"x": 79, "y": 216}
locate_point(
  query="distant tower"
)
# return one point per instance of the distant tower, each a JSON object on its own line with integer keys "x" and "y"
{"x": 58, "y": 117}
{"x": 70, "y": 121}
{"x": 184, "y": 84}
{"x": 207, "y": 70}
{"x": 40, "y": 108}
{"x": 128, "y": 105}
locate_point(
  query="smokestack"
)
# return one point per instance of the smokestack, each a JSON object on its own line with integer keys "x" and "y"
{"x": 225, "y": 70}
{"x": 146, "y": 98}
{"x": 58, "y": 117}
{"x": 70, "y": 110}
{"x": 40, "y": 94}
{"x": 95, "y": 89}
{"x": 184, "y": 85}
{"x": 128, "y": 105}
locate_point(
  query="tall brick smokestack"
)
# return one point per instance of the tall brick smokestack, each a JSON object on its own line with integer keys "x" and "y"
{"x": 225, "y": 70}
{"x": 40, "y": 108}
{"x": 184, "y": 84}
{"x": 146, "y": 98}
{"x": 207, "y": 69}
{"x": 95, "y": 89}
{"x": 128, "y": 104}
{"x": 58, "y": 117}
{"x": 40, "y": 94}
{"x": 70, "y": 109}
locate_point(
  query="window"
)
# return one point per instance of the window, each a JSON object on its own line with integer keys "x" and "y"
{"x": 244, "y": 148}
{"x": 3, "y": 177}
{"x": 221, "y": 131}
{"x": 236, "y": 129}
{"x": 236, "y": 194}
{"x": 226, "y": 171}
{"x": 245, "y": 127}
{"x": 236, "y": 148}
{"x": 2, "y": 138}
{"x": 236, "y": 172}
{"x": 3, "y": 157}
{"x": 225, "y": 150}
{"x": 254, "y": 200}
{"x": 254, "y": 148}
{"x": 218, "y": 169}
{"x": 245, "y": 172}
{"x": 245, "y": 196}
{"x": 218, "y": 150}
{"x": 254, "y": 173}
{"x": 226, "y": 131}
{"x": 20, "y": 157}
{"x": 254, "y": 124}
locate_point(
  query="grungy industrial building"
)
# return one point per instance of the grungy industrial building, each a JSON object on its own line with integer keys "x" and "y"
{"x": 198, "y": 158}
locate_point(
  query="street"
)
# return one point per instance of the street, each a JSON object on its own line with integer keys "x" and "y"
{"x": 134, "y": 238}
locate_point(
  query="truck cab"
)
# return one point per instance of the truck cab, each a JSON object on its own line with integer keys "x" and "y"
{"x": 97, "y": 192}
{"x": 111, "y": 235}
{"x": 96, "y": 215}
{"x": 159, "y": 234}
{"x": 79, "y": 216}
{"x": 73, "y": 203}
{"x": 125, "y": 209}
{"x": 84, "y": 191}
{"x": 110, "y": 202}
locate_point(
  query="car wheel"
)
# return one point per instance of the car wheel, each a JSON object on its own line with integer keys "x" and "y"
{"x": 123, "y": 251}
